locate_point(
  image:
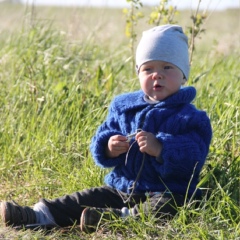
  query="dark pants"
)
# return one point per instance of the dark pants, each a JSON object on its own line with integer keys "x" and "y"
{"x": 67, "y": 210}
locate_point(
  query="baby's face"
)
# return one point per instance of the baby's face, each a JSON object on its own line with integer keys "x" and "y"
{"x": 159, "y": 79}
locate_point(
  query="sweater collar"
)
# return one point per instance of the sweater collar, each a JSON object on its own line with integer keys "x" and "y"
{"x": 184, "y": 96}
{"x": 136, "y": 99}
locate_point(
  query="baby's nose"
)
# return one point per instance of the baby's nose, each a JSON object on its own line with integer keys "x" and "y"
{"x": 158, "y": 74}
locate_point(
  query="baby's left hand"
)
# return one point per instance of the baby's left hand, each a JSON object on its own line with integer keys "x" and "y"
{"x": 148, "y": 143}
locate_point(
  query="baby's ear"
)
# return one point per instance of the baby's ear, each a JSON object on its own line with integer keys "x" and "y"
{"x": 184, "y": 80}
{"x": 136, "y": 69}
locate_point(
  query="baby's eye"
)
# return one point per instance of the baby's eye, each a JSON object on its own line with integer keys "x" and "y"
{"x": 167, "y": 67}
{"x": 146, "y": 69}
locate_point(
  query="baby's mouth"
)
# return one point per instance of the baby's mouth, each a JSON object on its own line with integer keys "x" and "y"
{"x": 157, "y": 87}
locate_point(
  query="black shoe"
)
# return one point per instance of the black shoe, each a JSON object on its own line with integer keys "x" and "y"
{"x": 14, "y": 215}
{"x": 91, "y": 217}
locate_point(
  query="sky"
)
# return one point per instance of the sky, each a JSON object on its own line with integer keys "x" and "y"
{"x": 181, "y": 4}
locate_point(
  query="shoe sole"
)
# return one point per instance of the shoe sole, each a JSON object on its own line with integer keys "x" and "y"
{"x": 5, "y": 213}
{"x": 82, "y": 221}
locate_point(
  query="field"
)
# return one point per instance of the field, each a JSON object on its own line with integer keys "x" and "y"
{"x": 59, "y": 70}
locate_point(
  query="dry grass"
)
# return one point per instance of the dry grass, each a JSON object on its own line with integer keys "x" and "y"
{"x": 222, "y": 27}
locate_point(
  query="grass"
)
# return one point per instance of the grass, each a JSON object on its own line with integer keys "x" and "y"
{"x": 57, "y": 81}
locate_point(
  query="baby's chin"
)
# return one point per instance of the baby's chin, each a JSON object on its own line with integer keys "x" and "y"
{"x": 158, "y": 98}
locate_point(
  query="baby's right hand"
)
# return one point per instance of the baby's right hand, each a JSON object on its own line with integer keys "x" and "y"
{"x": 117, "y": 145}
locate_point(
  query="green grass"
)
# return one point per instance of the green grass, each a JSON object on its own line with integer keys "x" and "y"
{"x": 55, "y": 91}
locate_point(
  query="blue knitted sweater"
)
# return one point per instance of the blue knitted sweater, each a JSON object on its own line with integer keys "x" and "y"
{"x": 185, "y": 134}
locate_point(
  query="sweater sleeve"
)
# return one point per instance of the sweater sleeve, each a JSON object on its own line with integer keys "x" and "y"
{"x": 184, "y": 154}
{"x": 99, "y": 142}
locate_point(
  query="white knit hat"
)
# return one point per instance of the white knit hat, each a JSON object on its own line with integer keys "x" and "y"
{"x": 166, "y": 43}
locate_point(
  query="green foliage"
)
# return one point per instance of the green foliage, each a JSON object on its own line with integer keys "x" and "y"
{"x": 195, "y": 30}
{"x": 222, "y": 104}
{"x": 45, "y": 108}
{"x": 132, "y": 16}
{"x": 163, "y": 14}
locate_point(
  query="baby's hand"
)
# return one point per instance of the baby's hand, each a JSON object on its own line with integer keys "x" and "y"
{"x": 148, "y": 143}
{"x": 117, "y": 145}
